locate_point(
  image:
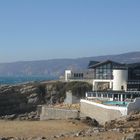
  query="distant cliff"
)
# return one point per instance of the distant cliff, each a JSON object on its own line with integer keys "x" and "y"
{"x": 56, "y": 67}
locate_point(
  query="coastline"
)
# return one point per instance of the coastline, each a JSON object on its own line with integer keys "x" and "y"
{"x": 13, "y": 80}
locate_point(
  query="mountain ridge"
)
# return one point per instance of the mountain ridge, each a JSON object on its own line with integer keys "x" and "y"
{"x": 56, "y": 67}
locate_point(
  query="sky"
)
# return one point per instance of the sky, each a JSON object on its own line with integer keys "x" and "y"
{"x": 50, "y": 29}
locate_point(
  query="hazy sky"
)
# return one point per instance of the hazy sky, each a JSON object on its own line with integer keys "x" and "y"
{"x": 47, "y": 29}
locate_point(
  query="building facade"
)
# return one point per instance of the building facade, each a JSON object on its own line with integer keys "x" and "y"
{"x": 109, "y": 75}
{"x": 110, "y": 79}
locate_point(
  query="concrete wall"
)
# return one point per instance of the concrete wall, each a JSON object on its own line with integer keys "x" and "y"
{"x": 70, "y": 99}
{"x": 134, "y": 106}
{"x": 55, "y": 113}
{"x": 100, "y": 112}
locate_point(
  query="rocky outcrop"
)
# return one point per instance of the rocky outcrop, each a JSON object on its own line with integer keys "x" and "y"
{"x": 91, "y": 122}
{"x": 132, "y": 120}
{"x": 24, "y": 98}
{"x": 33, "y": 116}
{"x": 30, "y": 138}
{"x": 132, "y": 136}
{"x": 19, "y": 99}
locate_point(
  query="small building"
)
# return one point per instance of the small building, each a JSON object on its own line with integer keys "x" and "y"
{"x": 85, "y": 75}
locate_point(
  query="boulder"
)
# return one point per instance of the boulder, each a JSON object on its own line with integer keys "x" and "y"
{"x": 91, "y": 122}
{"x": 132, "y": 136}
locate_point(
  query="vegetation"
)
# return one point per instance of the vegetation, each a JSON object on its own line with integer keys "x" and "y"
{"x": 78, "y": 88}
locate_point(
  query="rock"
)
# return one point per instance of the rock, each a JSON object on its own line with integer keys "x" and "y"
{"x": 43, "y": 138}
{"x": 96, "y": 131}
{"x": 33, "y": 99}
{"x": 109, "y": 124}
{"x": 3, "y": 138}
{"x": 116, "y": 129}
{"x": 10, "y": 117}
{"x": 77, "y": 134}
{"x": 132, "y": 136}
{"x": 27, "y": 116}
{"x": 94, "y": 123}
{"x": 10, "y": 138}
{"x": 82, "y": 132}
{"x": 91, "y": 122}
{"x": 62, "y": 135}
{"x": 131, "y": 129}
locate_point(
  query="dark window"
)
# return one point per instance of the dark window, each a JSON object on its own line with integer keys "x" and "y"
{"x": 134, "y": 73}
{"x": 133, "y": 86}
{"x": 103, "y": 72}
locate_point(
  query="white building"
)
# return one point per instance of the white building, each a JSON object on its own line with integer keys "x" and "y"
{"x": 111, "y": 79}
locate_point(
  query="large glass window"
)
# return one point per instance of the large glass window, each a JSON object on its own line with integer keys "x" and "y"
{"x": 104, "y": 71}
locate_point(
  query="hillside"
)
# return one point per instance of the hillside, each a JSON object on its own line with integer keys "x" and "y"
{"x": 56, "y": 67}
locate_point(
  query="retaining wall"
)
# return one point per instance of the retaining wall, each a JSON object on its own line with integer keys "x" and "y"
{"x": 55, "y": 113}
{"x": 100, "y": 112}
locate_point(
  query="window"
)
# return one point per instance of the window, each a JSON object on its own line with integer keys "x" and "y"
{"x": 103, "y": 72}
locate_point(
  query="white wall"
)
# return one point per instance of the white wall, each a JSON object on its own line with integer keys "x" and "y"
{"x": 100, "y": 112}
{"x": 67, "y": 74}
{"x": 120, "y": 78}
{"x": 104, "y": 113}
{"x": 123, "y": 110}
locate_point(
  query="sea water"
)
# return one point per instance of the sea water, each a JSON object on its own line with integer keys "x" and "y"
{"x": 23, "y": 79}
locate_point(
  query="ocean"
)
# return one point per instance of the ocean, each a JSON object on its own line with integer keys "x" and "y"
{"x": 23, "y": 79}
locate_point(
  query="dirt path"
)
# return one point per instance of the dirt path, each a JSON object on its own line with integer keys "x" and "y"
{"x": 99, "y": 136}
{"x": 38, "y": 128}
{"x": 50, "y": 128}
